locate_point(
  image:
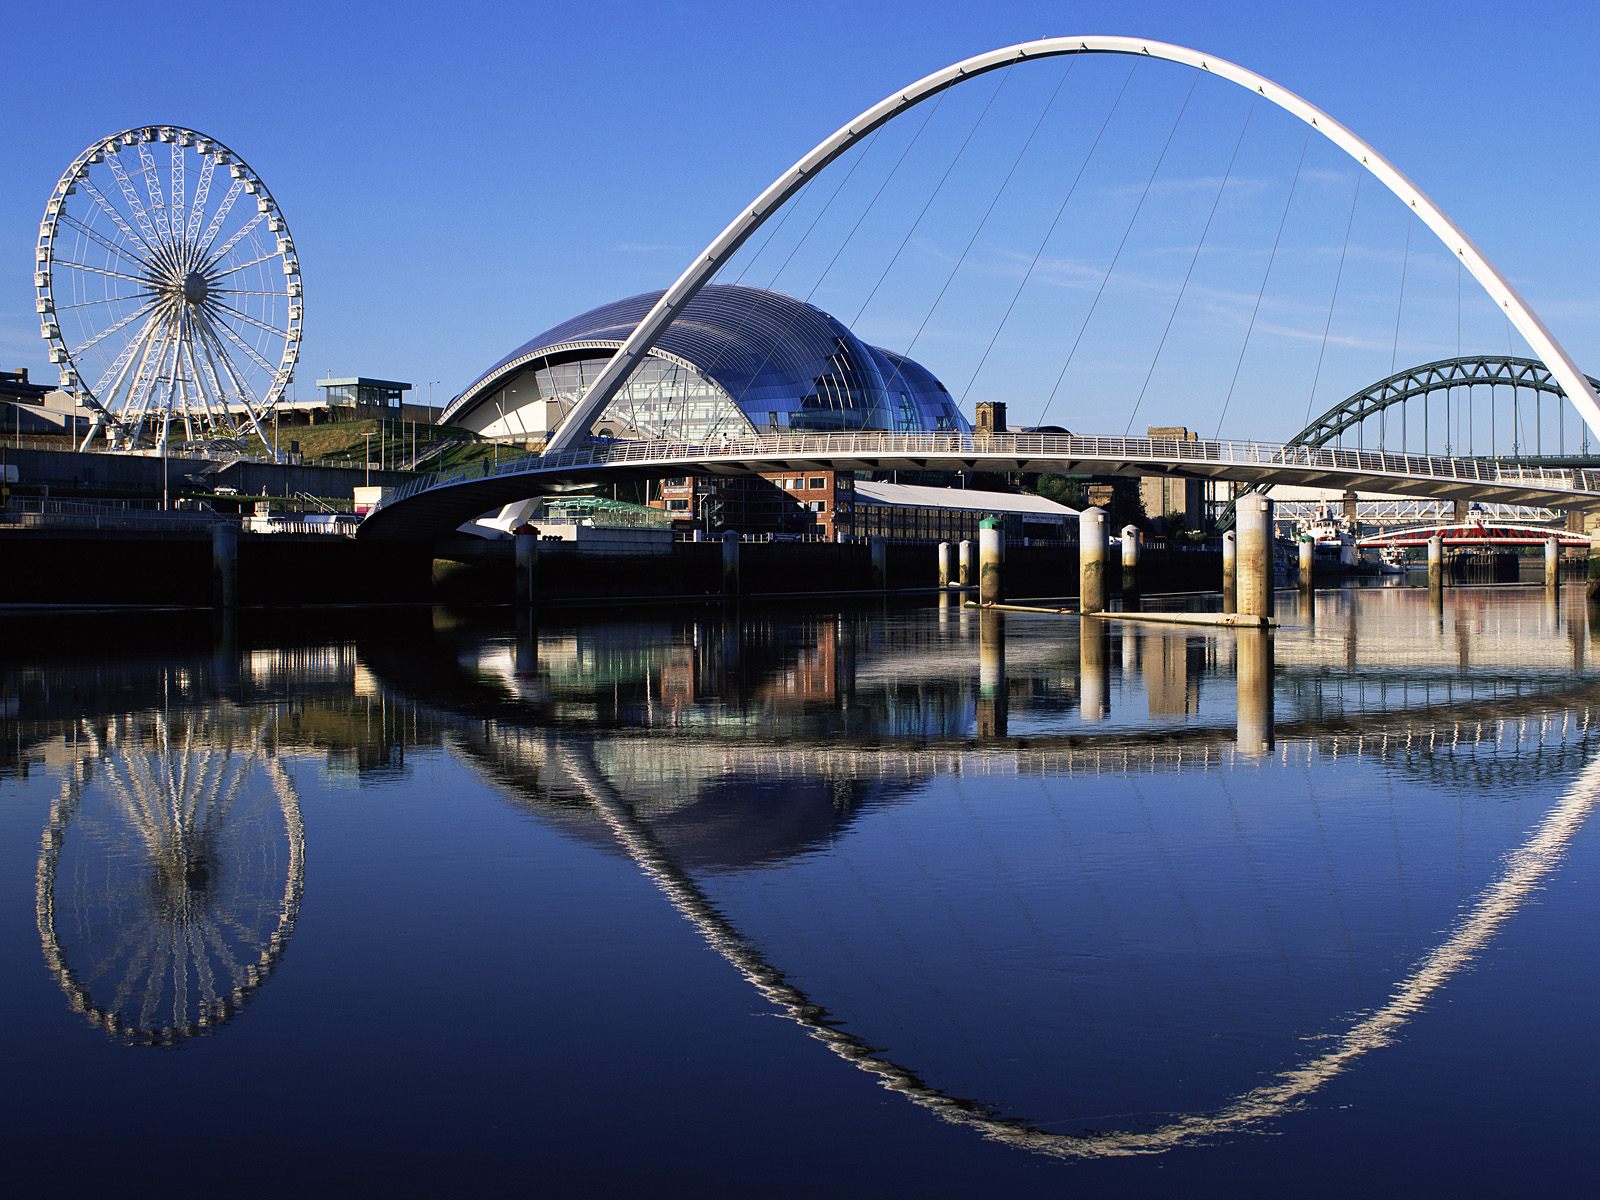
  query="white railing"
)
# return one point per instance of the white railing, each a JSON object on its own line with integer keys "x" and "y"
{"x": 1010, "y": 447}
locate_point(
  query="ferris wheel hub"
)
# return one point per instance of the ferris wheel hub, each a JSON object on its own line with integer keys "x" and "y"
{"x": 195, "y": 287}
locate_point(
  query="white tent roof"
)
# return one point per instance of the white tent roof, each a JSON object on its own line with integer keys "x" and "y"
{"x": 962, "y": 500}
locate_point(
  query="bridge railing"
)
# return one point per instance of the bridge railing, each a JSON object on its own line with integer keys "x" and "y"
{"x": 1157, "y": 452}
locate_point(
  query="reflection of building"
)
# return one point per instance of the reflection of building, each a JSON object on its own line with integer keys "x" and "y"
{"x": 1172, "y": 669}
{"x": 739, "y": 361}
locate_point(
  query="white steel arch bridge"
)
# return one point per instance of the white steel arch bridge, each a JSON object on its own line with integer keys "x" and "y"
{"x": 436, "y": 505}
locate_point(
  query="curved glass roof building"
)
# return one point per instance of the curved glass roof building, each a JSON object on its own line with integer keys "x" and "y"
{"x": 738, "y": 361}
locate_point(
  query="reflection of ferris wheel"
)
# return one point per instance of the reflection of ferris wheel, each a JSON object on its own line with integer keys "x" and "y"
{"x": 166, "y": 297}
{"x": 170, "y": 876}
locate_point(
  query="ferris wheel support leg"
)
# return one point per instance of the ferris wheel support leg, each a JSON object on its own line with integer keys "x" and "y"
{"x": 262, "y": 434}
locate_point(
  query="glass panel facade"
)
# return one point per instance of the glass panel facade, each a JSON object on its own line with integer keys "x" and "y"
{"x": 761, "y": 360}
{"x": 663, "y": 399}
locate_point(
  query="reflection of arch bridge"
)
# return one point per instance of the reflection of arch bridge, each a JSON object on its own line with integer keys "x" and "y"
{"x": 1524, "y": 871}
{"x": 618, "y": 776}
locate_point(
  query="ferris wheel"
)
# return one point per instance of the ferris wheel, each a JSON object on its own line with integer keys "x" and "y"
{"x": 168, "y": 299}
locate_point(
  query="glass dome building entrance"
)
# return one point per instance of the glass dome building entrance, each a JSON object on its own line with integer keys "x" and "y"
{"x": 738, "y": 361}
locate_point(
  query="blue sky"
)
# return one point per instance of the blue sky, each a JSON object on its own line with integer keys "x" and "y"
{"x": 461, "y": 176}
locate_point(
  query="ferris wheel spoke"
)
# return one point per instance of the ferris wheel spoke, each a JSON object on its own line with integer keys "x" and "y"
{"x": 138, "y": 402}
{"x": 126, "y": 251}
{"x": 215, "y": 275}
{"x": 139, "y": 297}
{"x": 221, "y": 253}
{"x": 119, "y": 325}
{"x": 153, "y": 188}
{"x": 214, "y": 303}
{"x": 118, "y": 369}
{"x": 178, "y": 210}
{"x": 240, "y": 386}
{"x": 202, "y": 192}
{"x": 61, "y": 262}
{"x": 209, "y": 375}
{"x": 221, "y": 215}
{"x": 117, "y": 218}
{"x": 247, "y": 292}
{"x": 135, "y": 205}
{"x": 249, "y": 350}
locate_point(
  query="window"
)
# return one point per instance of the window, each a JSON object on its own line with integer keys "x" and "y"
{"x": 677, "y": 505}
{"x": 817, "y": 506}
{"x": 816, "y": 481}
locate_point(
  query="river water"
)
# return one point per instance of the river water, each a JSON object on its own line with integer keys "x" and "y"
{"x": 782, "y": 901}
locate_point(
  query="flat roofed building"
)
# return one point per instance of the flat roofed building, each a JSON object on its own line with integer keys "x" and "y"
{"x": 833, "y": 504}
{"x": 905, "y": 511}
{"x": 362, "y": 394}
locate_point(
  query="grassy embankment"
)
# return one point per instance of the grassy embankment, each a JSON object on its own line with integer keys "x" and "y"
{"x": 347, "y": 443}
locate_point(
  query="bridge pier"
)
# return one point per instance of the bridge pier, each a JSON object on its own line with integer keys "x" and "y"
{"x": 1230, "y": 557}
{"x": 526, "y": 551}
{"x": 1253, "y": 515}
{"x": 991, "y": 558}
{"x": 730, "y": 563}
{"x": 1092, "y": 560}
{"x": 1552, "y": 563}
{"x": 1132, "y": 543}
{"x": 1436, "y": 564}
{"x": 947, "y": 564}
{"x": 225, "y": 565}
{"x": 964, "y": 563}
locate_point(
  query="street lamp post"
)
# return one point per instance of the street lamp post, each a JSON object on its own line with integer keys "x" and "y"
{"x": 369, "y": 436}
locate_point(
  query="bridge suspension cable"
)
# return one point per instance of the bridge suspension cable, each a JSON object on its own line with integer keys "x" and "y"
{"x": 630, "y": 353}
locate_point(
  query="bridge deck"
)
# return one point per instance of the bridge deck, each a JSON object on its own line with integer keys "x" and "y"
{"x": 436, "y": 504}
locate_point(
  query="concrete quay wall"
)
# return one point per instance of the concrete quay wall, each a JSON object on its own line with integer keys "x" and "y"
{"x": 70, "y": 473}
{"x": 158, "y": 568}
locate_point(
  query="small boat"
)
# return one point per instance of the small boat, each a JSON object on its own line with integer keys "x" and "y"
{"x": 1392, "y": 560}
{"x": 1333, "y": 539}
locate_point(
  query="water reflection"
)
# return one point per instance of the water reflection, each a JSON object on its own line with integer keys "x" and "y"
{"x": 1022, "y": 872}
{"x": 170, "y": 875}
{"x": 1525, "y": 869}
